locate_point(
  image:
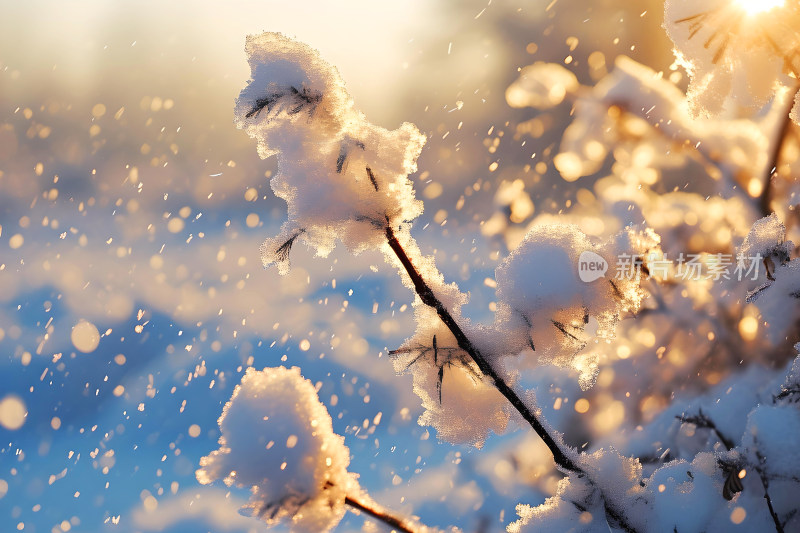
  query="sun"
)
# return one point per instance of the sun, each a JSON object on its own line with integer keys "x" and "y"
{"x": 754, "y": 7}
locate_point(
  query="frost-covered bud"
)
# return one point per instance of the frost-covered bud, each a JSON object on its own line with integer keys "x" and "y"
{"x": 558, "y": 291}
{"x": 278, "y": 440}
{"x": 734, "y": 48}
{"x": 342, "y": 177}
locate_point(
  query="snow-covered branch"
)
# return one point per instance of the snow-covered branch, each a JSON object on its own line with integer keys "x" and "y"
{"x": 278, "y": 441}
{"x": 345, "y": 180}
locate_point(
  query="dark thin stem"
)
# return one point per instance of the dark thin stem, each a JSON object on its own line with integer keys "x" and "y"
{"x": 391, "y": 521}
{"x": 728, "y": 443}
{"x": 701, "y": 420}
{"x": 778, "y": 525}
{"x": 372, "y": 179}
{"x": 775, "y": 159}
{"x": 427, "y": 296}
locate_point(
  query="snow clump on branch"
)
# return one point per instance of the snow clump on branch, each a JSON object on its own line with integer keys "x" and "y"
{"x": 278, "y": 440}
{"x": 545, "y": 305}
{"x": 458, "y": 401}
{"x": 718, "y": 470}
{"x": 777, "y": 295}
{"x": 342, "y": 177}
{"x": 612, "y": 112}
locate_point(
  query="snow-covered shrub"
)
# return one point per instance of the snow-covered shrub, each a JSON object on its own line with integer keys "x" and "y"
{"x": 695, "y": 281}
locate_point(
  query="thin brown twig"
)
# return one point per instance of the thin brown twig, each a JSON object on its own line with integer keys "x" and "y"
{"x": 426, "y": 294}
{"x": 764, "y": 199}
{"x": 701, "y": 420}
{"x": 392, "y": 521}
{"x": 429, "y": 298}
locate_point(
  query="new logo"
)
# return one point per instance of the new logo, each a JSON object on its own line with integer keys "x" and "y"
{"x": 591, "y": 266}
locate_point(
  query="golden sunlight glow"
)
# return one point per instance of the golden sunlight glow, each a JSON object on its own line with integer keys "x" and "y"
{"x": 754, "y": 187}
{"x": 738, "y": 515}
{"x": 754, "y": 7}
{"x": 610, "y": 417}
{"x": 582, "y": 405}
{"x": 748, "y": 328}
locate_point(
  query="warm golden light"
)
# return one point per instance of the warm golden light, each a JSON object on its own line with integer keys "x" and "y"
{"x": 754, "y": 7}
{"x": 748, "y": 328}
{"x": 582, "y": 405}
{"x": 754, "y": 187}
{"x": 738, "y": 515}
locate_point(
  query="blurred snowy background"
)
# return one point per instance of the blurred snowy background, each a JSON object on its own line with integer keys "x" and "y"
{"x": 132, "y": 296}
